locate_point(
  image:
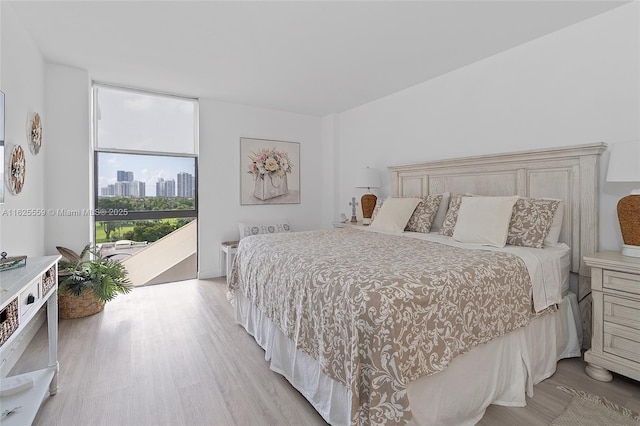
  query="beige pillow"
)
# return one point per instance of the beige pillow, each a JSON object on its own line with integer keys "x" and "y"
{"x": 438, "y": 220}
{"x": 484, "y": 220}
{"x": 395, "y": 213}
{"x": 423, "y": 215}
{"x": 556, "y": 226}
{"x": 451, "y": 217}
{"x": 531, "y": 221}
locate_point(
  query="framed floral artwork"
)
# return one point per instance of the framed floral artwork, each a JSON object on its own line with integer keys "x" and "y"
{"x": 269, "y": 172}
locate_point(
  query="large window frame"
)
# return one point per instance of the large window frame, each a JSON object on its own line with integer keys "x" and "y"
{"x": 114, "y": 216}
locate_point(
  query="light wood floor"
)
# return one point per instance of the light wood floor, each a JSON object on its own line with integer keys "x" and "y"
{"x": 171, "y": 354}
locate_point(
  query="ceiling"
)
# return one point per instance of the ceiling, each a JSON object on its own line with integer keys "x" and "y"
{"x": 306, "y": 57}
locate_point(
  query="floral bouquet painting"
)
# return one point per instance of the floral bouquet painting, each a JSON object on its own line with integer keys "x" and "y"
{"x": 270, "y": 166}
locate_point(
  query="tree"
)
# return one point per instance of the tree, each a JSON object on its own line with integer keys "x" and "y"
{"x": 153, "y": 230}
{"x": 109, "y": 227}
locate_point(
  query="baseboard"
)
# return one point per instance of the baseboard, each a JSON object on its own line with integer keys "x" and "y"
{"x": 10, "y": 355}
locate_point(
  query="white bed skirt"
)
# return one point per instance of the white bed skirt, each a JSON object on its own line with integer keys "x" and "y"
{"x": 501, "y": 372}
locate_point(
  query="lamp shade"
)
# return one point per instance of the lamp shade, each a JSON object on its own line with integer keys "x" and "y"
{"x": 368, "y": 178}
{"x": 624, "y": 162}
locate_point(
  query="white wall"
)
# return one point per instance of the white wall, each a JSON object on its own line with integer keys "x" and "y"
{"x": 68, "y": 161}
{"x": 575, "y": 86}
{"x": 330, "y": 136}
{"x": 221, "y": 127}
{"x": 22, "y": 81}
{"x": 62, "y": 96}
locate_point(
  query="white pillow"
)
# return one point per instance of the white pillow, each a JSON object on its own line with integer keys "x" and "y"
{"x": 255, "y": 228}
{"x": 556, "y": 226}
{"x": 484, "y": 220}
{"x": 395, "y": 213}
{"x": 438, "y": 220}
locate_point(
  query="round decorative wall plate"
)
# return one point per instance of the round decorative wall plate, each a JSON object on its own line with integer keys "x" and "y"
{"x": 17, "y": 170}
{"x": 34, "y": 130}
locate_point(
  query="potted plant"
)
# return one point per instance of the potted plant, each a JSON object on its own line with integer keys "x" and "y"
{"x": 86, "y": 281}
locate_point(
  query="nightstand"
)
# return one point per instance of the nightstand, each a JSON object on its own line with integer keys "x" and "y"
{"x": 615, "y": 339}
{"x": 228, "y": 250}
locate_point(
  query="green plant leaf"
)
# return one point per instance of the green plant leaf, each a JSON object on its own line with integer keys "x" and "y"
{"x": 68, "y": 254}
{"x": 105, "y": 277}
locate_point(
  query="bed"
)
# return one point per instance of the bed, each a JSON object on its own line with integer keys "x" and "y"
{"x": 355, "y": 318}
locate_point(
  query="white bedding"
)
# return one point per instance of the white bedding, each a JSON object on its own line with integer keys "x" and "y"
{"x": 502, "y": 371}
{"x": 547, "y": 267}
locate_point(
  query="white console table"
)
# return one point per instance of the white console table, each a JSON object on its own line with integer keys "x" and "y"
{"x": 23, "y": 291}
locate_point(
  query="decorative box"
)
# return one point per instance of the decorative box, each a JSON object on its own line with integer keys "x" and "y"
{"x": 270, "y": 186}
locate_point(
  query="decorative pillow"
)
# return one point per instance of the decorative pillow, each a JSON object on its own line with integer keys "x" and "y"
{"x": 484, "y": 220}
{"x": 451, "y": 217}
{"x": 556, "y": 226}
{"x": 254, "y": 228}
{"x": 438, "y": 220}
{"x": 423, "y": 215}
{"x": 395, "y": 213}
{"x": 531, "y": 221}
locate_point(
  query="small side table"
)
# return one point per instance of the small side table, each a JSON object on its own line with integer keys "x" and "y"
{"x": 337, "y": 225}
{"x": 228, "y": 249}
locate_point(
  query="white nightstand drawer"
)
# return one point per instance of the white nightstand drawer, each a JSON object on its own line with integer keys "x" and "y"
{"x": 622, "y": 341}
{"x": 621, "y": 281}
{"x": 615, "y": 342}
{"x": 622, "y": 311}
{"x": 29, "y": 297}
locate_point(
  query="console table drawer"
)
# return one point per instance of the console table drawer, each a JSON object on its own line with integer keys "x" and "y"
{"x": 622, "y": 341}
{"x": 621, "y": 281}
{"x": 29, "y": 298}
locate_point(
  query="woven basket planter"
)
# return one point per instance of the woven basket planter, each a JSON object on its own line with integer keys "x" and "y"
{"x": 71, "y": 306}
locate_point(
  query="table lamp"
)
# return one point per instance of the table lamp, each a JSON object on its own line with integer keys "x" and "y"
{"x": 624, "y": 166}
{"x": 367, "y": 178}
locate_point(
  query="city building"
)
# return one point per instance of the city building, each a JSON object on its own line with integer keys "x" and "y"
{"x": 165, "y": 188}
{"x": 125, "y": 176}
{"x": 185, "y": 184}
{"x": 108, "y": 191}
{"x": 122, "y": 189}
{"x": 137, "y": 188}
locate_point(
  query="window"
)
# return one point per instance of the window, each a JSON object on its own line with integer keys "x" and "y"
{"x": 139, "y": 121}
{"x": 2, "y": 147}
{"x": 145, "y": 164}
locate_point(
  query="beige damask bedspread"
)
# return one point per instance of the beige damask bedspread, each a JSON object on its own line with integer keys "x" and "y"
{"x": 378, "y": 311}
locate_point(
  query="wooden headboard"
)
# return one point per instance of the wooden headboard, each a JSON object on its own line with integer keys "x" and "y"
{"x": 568, "y": 173}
